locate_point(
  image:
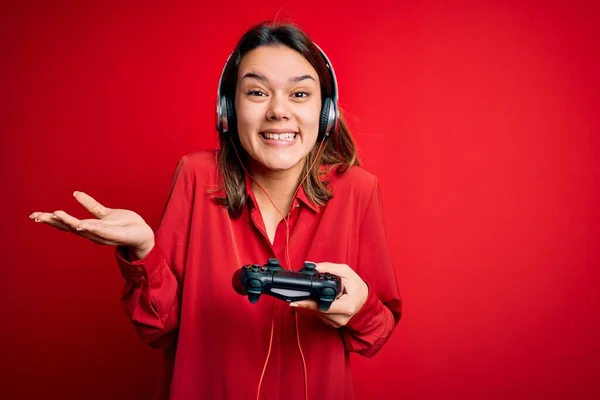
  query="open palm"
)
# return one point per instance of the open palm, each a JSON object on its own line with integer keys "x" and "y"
{"x": 117, "y": 227}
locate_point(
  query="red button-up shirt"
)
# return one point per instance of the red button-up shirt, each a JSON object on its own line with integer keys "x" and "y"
{"x": 180, "y": 296}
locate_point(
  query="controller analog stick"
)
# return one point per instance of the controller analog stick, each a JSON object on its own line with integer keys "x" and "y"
{"x": 309, "y": 268}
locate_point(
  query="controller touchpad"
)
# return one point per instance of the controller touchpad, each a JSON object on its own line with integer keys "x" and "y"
{"x": 290, "y": 292}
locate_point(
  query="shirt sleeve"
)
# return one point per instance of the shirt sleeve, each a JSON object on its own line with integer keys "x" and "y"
{"x": 369, "y": 329}
{"x": 152, "y": 291}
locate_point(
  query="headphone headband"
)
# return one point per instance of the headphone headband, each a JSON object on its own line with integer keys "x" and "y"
{"x": 334, "y": 89}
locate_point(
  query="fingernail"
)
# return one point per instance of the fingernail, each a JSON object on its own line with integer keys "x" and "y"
{"x": 74, "y": 193}
{"x": 31, "y": 216}
{"x": 294, "y": 305}
{"x": 79, "y": 229}
{"x": 37, "y": 220}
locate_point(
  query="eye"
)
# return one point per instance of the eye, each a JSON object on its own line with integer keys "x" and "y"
{"x": 255, "y": 93}
{"x": 302, "y": 95}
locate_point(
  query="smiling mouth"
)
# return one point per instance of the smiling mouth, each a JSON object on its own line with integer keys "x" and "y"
{"x": 288, "y": 137}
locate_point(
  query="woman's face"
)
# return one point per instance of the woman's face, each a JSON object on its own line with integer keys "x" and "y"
{"x": 278, "y": 105}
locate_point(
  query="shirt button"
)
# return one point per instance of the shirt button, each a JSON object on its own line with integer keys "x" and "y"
{"x": 139, "y": 269}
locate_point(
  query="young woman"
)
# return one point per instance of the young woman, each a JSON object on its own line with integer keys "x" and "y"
{"x": 285, "y": 183}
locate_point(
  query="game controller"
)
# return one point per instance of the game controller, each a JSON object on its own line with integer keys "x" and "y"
{"x": 271, "y": 279}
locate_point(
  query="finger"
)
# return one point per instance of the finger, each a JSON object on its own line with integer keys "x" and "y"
{"x": 76, "y": 223}
{"x": 67, "y": 219}
{"x": 37, "y": 215}
{"x": 91, "y": 204}
{"x": 54, "y": 221}
{"x": 343, "y": 305}
{"x": 306, "y": 304}
{"x": 87, "y": 230}
{"x": 50, "y": 219}
{"x": 92, "y": 229}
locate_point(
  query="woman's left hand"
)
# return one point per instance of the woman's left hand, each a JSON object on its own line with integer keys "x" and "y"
{"x": 353, "y": 297}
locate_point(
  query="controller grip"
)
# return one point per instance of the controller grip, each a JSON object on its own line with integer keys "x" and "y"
{"x": 236, "y": 282}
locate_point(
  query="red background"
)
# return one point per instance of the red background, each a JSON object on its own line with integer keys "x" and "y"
{"x": 480, "y": 119}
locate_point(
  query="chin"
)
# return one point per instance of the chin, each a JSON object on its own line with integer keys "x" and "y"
{"x": 279, "y": 163}
{"x": 280, "y": 166}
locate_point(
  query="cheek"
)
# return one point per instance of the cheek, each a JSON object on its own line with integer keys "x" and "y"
{"x": 309, "y": 118}
{"x": 248, "y": 117}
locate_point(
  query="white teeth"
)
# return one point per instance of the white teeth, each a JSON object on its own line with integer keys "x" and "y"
{"x": 289, "y": 136}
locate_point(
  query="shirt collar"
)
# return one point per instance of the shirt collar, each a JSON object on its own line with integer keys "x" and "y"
{"x": 301, "y": 196}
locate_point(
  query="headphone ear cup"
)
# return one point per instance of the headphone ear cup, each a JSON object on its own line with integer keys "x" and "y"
{"x": 324, "y": 122}
{"x": 231, "y": 118}
{"x": 221, "y": 115}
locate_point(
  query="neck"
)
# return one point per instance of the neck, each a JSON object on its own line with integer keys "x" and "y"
{"x": 279, "y": 185}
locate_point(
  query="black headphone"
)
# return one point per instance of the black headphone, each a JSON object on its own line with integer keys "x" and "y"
{"x": 329, "y": 120}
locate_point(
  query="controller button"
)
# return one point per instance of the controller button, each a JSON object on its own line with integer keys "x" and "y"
{"x": 329, "y": 292}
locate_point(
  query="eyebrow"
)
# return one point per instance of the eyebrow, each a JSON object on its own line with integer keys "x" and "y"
{"x": 264, "y": 78}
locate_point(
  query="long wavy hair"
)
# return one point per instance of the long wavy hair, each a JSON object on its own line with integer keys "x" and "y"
{"x": 338, "y": 151}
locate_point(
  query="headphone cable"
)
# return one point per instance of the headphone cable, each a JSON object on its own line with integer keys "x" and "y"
{"x": 287, "y": 255}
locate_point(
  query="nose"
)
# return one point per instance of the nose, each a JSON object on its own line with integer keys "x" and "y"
{"x": 278, "y": 108}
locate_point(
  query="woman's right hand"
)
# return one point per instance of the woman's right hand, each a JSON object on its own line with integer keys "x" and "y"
{"x": 116, "y": 227}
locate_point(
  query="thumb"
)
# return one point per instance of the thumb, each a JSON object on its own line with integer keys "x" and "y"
{"x": 91, "y": 204}
{"x": 307, "y": 304}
